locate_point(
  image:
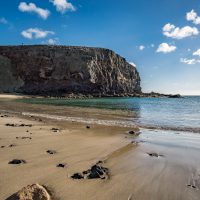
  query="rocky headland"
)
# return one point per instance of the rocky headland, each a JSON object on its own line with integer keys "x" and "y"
{"x": 67, "y": 71}
{"x": 56, "y": 70}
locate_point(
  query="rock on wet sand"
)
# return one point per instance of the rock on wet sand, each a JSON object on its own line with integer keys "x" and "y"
{"x": 135, "y": 133}
{"x": 55, "y": 130}
{"x": 51, "y": 151}
{"x": 97, "y": 171}
{"x": 60, "y": 165}
{"x": 155, "y": 155}
{"x": 17, "y": 161}
{"x": 12, "y": 145}
{"x": 24, "y": 137}
{"x": 4, "y": 116}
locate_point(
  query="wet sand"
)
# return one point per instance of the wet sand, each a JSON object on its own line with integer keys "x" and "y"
{"x": 172, "y": 173}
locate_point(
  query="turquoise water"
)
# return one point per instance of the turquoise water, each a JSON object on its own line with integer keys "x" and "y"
{"x": 181, "y": 113}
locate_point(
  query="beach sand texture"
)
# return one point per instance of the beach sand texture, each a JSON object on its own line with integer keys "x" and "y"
{"x": 155, "y": 165}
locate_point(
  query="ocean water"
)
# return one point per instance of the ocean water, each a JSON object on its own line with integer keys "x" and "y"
{"x": 166, "y": 113}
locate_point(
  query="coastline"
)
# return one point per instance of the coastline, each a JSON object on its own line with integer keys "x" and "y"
{"x": 79, "y": 113}
{"x": 88, "y": 96}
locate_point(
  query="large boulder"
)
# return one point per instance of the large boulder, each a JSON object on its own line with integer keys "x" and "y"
{"x": 31, "y": 192}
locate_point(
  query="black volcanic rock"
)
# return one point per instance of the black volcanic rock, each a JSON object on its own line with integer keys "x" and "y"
{"x": 55, "y": 70}
{"x": 16, "y": 162}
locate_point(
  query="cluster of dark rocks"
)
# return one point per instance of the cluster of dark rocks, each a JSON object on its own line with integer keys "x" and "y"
{"x": 155, "y": 155}
{"x": 10, "y": 146}
{"x": 51, "y": 152}
{"x": 4, "y": 116}
{"x": 18, "y": 125}
{"x": 104, "y": 95}
{"x": 24, "y": 137}
{"x": 97, "y": 171}
{"x": 158, "y": 95}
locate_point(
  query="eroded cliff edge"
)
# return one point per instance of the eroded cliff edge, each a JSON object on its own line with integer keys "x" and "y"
{"x": 58, "y": 70}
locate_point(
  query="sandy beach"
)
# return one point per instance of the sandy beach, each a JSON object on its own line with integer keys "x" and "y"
{"x": 154, "y": 165}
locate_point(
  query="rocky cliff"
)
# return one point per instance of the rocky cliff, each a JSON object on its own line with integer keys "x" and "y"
{"x": 55, "y": 70}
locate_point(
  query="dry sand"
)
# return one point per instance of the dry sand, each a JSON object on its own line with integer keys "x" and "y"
{"x": 10, "y": 96}
{"x": 175, "y": 175}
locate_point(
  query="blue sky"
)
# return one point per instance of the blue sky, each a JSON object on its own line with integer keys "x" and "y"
{"x": 162, "y": 37}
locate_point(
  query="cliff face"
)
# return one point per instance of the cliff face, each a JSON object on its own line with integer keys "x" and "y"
{"x": 65, "y": 69}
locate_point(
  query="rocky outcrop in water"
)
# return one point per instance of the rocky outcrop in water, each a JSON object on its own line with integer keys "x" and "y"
{"x": 56, "y": 70}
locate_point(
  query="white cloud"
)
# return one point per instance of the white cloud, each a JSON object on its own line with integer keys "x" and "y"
{"x": 196, "y": 53}
{"x": 141, "y": 47}
{"x": 165, "y": 48}
{"x": 152, "y": 45}
{"x": 32, "y": 8}
{"x": 189, "y": 61}
{"x": 168, "y": 27}
{"x": 51, "y": 41}
{"x": 35, "y": 33}
{"x": 63, "y": 5}
{"x": 192, "y": 16}
{"x": 132, "y": 63}
{"x": 3, "y": 21}
{"x": 171, "y": 31}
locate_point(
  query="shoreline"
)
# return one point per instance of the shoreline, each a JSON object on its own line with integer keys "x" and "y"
{"x": 81, "y": 114}
{"x": 108, "y": 123}
{"x": 88, "y": 96}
